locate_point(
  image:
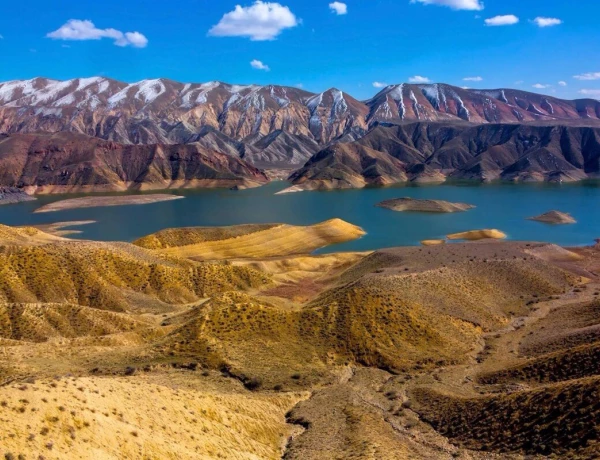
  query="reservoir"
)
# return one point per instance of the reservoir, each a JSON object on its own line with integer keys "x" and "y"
{"x": 505, "y": 207}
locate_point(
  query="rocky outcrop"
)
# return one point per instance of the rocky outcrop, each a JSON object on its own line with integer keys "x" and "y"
{"x": 9, "y": 195}
{"x": 67, "y": 162}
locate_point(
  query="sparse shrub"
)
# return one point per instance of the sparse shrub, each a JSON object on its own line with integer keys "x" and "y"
{"x": 253, "y": 383}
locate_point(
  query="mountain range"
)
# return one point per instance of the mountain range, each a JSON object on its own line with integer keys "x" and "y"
{"x": 273, "y": 127}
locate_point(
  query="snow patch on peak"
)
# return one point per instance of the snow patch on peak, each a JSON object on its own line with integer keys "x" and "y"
{"x": 150, "y": 90}
{"x": 83, "y": 83}
{"x": 339, "y": 105}
{"x": 314, "y": 102}
{"x": 282, "y": 100}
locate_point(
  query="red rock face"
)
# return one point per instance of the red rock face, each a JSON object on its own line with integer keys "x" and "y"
{"x": 67, "y": 162}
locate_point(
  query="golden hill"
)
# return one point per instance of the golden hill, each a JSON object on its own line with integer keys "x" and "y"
{"x": 24, "y": 236}
{"x": 382, "y": 314}
{"x": 112, "y": 276}
{"x": 250, "y": 241}
{"x": 40, "y": 322}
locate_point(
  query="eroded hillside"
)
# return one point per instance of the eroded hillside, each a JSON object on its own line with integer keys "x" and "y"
{"x": 478, "y": 350}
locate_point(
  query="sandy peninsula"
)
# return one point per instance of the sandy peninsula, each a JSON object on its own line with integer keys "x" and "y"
{"x": 413, "y": 205}
{"x": 103, "y": 201}
{"x": 555, "y": 217}
{"x": 474, "y": 235}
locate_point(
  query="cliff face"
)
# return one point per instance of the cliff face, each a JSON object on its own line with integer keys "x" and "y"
{"x": 67, "y": 162}
{"x": 433, "y": 151}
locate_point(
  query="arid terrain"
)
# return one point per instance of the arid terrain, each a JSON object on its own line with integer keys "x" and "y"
{"x": 236, "y": 342}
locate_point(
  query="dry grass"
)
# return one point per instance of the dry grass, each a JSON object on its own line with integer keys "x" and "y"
{"x": 117, "y": 418}
{"x": 24, "y": 236}
{"x": 111, "y": 276}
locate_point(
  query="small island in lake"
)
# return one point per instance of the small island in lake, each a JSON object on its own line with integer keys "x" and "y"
{"x": 555, "y": 217}
{"x": 97, "y": 201}
{"x": 413, "y": 205}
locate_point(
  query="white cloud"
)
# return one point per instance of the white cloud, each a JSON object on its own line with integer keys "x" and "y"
{"x": 547, "y": 22}
{"x": 595, "y": 93}
{"x": 258, "y": 65}
{"x": 541, "y": 86}
{"x": 519, "y": 82}
{"x": 588, "y": 76}
{"x": 299, "y": 85}
{"x": 562, "y": 83}
{"x": 76, "y": 29}
{"x": 419, "y": 79}
{"x": 476, "y": 5}
{"x": 379, "y": 84}
{"x": 261, "y": 21}
{"x": 338, "y": 8}
{"x": 506, "y": 20}
{"x": 473, "y": 79}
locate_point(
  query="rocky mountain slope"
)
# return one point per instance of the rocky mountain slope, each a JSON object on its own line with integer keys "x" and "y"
{"x": 436, "y": 151}
{"x": 68, "y": 162}
{"x": 262, "y": 124}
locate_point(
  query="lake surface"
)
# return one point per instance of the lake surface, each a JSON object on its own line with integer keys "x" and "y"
{"x": 502, "y": 206}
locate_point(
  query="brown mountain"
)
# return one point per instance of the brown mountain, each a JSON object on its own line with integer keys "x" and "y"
{"x": 434, "y": 151}
{"x": 264, "y": 124}
{"x": 68, "y": 162}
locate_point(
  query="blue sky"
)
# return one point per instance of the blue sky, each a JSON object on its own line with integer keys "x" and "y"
{"x": 306, "y": 42}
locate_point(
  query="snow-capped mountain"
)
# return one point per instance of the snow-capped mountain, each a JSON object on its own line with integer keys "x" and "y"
{"x": 242, "y": 118}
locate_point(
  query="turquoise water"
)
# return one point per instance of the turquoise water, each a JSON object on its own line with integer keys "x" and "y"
{"x": 501, "y": 206}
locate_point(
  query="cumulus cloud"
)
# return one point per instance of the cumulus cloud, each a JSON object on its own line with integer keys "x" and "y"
{"x": 562, "y": 83}
{"x": 473, "y": 5}
{"x": 260, "y": 21}
{"x": 419, "y": 79}
{"x": 588, "y": 76}
{"x": 541, "y": 86}
{"x": 338, "y": 8}
{"x": 258, "y": 65}
{"x": 473, "y": 79}
{"x": 541, "y": 21}
{"x": 76, "y": 29}
{"x": 379, "y": 84}
{"x": 595, "y": 93}
{"x": 505, "y": 20}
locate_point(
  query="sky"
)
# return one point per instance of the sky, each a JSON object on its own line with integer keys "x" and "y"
{"x": 358, "y": 46}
